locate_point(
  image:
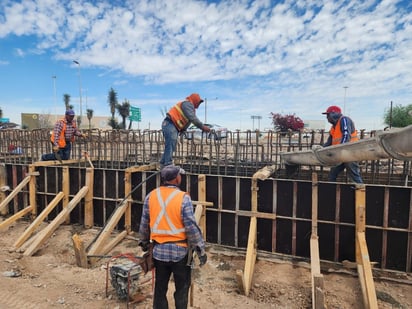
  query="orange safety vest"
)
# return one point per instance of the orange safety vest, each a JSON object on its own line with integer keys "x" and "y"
{"x": 337, "y": 134}
{"x": 166, "y": 224}
{"x": 62, "y": 139}
{"x": 178, "y": 117}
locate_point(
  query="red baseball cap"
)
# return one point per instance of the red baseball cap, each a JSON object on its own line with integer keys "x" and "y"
{"x": 333, "y": 109}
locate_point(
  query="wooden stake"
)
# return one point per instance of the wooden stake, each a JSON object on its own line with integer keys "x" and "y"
{"x": 79, "y": 251}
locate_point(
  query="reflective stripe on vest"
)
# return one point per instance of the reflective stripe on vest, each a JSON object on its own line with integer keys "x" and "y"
{"x": 337, "y": 134}
{"x": 167, "y": 224}
{"x": 178, "y": 117}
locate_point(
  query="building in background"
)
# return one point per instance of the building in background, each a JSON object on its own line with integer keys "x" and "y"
{"x": 32, "y": 121}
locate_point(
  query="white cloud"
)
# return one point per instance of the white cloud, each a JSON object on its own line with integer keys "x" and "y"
{"x": 297, "y": 53}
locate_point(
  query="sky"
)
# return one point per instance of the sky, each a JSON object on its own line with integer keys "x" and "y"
{"x": 248, "y": 59}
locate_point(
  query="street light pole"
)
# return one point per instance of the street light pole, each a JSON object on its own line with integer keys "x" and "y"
{"x": 80, "y": 90}
{"x": 54, "y": 96}
{"x": 344, "y": 100}
{"x": 258, "y": 119}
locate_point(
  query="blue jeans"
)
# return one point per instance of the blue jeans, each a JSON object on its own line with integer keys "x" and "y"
{"x": 170, "y": 134}
{"x": 63, "y": 152}
{"x": 352, "y": 168}
{"x": 181, "y": 276}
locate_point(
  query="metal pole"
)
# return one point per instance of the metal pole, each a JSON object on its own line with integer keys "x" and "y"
{"x": 80, "y": 90}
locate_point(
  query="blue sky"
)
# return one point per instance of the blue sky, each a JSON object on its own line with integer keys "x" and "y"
{"x": 248, "y": 58}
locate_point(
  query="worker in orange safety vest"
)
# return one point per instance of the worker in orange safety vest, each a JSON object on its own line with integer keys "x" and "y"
{"x": 177, "y": 120}
{"x": 342, "y": 131}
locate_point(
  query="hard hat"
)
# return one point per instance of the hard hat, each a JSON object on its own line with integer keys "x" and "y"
{"x": 333, "y": 109}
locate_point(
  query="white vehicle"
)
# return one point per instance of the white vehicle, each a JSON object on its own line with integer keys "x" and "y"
{"x": 217, "y": 132}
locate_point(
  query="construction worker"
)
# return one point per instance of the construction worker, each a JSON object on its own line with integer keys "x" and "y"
{"x": 62, "y": 137}
{"x": 342, "y": 131}
{"x": 177, "y": 120}
{"x": 168, "y": 221}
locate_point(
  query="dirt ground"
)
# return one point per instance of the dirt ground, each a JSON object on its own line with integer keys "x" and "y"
{"x": 51, "y": 279}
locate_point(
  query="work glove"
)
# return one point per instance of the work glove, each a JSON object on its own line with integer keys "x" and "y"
{"x": 55, "y": 148}
{"x": 83, "y": 135}
{"x": 205, "y": 129}
{"x": 144, "y": 244}
{"x": 202, "y": 259}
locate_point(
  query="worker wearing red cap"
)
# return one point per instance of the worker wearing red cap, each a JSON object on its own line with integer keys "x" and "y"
{"x": 177, "y": 120}
{"x": 342, "y": 131}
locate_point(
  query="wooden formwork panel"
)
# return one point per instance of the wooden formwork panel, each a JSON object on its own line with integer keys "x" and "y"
{"x": 283, "y": 211}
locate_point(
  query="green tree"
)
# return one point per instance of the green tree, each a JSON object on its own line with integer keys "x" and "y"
{"x": 112, "y": 99}
{"x": 113, "y": 123}
{"x": 66, "y": 100}
{"x": 124, "y": 111}
{"x": 399, "y": 117}
{"x": 89, "y": 113}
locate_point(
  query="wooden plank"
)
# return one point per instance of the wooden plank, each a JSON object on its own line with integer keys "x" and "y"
{"x": 127, "y": 192}
{"x": 256, "y": 214}
{"x": 314, "y": 204}
{"x": 33, "y": 191}
{"x": 240, "y": 280}
{"x": 202, "y": 202}
{"x": 60, "y": 218}
{"x": 15, "y": 191}
{"x": 113, "y": 243}
{"x": 3, "y": 184}
{"x": 367, "y": 273}
{"x": 250, "y": 255}
{"x": 66, "y": 188}
{"x": 251, "y": 250}
{"x": 39, "y": 219}
{"x": 88, "y": 200}
{"x": 147, "y": 167}
{"x": 202, "y": 197}
{"x": 79, "y": 251}
{"x": 319, "y": 299}
{"x": 96, "y": 248}
{"x": 56, "y": 162}
{"x": 15, "y": 217}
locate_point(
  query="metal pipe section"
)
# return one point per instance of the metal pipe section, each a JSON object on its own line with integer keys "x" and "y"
{"x": 395, "y": 143}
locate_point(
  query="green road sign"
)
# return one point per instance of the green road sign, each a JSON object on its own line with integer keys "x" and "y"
{"x": 135, "y": 114}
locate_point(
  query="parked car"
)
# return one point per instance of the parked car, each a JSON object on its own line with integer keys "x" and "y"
{"x": 217, "y": 132}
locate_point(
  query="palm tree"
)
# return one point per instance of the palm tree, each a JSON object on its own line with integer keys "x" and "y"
{"x": 66, "y": 100}
{"x": 89, "y": 116}
{"x": 1, "y": 113}
{"x": 112, "y": 99}
{"x": 124, "y": 111}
